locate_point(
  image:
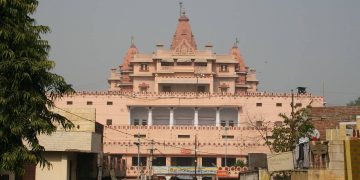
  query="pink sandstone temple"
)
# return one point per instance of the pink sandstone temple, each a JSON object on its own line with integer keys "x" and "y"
{"x": 173, "y": 109}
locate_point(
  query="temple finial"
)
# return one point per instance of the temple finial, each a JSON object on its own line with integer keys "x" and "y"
{"x": 181, "y": 8}
{"x": 236, "y": 43}
{"x": 183, "y": 12}
{"x": 132, "y": 40}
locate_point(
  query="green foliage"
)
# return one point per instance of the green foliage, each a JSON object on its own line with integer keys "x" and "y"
{"x": 27, "y": 87}
{"x": 286, "y": 136}
{"x": 356, "y": 102}
{"x": 240, "y": 163}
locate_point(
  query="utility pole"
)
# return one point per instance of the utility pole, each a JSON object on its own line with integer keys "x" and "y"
{"x": 151, "y": 159}
{"x": 292, "y": 103}
{"x": 195, "y": 164}
{"x": 226, "y": 128}
{"x": 138, "y": 155}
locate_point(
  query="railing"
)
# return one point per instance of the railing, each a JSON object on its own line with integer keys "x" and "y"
{"x": 233, "y": 171}
{"x": 201, "y": 69}
{"x": 191, "y": 94}
{"x": 180, "y": 127}
{"x": 166, "y": 68}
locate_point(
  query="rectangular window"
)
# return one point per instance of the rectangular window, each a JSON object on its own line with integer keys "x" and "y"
{"x": 223, "y": 68}
{"x": 109, "y": 122}
{"x": 135, "y": 160}
{"x": 258, "y": 104}
{"x": 223, "y": 123}
{"x": 139, "y": 136}
{"x": 166, "y": 88}
{"x": 227, "y": 136}
{"x": 201, "y": 89}
{"x": 183, "y": 136}
{"x": 184, "y": 63}
{"x": 144, "y": 122}
{"x": 229, "y": 161}
{"x": 144, "y": 67}
{"x": 259, "y": 123}
{"x": 69, "y": 102}
{"x": 224, "y": 90}
{"x": 208, "y": 161}
{"x": 278, "y": 104}
{"x": 89, "y": 103}
{"x": 203, "y": 64}
{"x": 231, "y": 123}
{"x": 109, "y": 103}
{"x": 143, "y": 89}
{"x": 159, "y": 161}
{"x": 298, "y": 105}
{"x": 182, "y": 161}
{"x": 136, "y": 122}
{"x": 278, "y": 123}
{"x": 167, "y": 64}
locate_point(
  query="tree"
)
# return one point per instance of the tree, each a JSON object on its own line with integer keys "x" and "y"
{"x": 286, "y": 136}
{"x": 240, "y": 163}
{"x": 283, "y": 137}
{"x": 27, "y": 87}
{"x": 356, "y": 102}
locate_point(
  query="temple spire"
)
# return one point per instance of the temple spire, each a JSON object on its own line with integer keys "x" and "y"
{"x": 183, "y": 33}
{"x": 129, "y": 55}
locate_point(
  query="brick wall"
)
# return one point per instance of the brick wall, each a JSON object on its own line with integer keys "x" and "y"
{"x": 329, "y": 117}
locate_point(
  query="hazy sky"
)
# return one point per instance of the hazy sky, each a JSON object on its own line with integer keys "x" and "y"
{"x": 289, "y": 42}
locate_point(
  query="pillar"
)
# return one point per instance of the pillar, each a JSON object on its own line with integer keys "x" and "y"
{"x": 129, "y": 115}
{"x": 218, "y": 161}
{"x": 196, "y": 117}
{"x": 168, "y": 161}
{"x": 171, "y": 117}
{"x": 217, "y": 120}
{"x": 238, "y": 116}
{"x": 150, "y": 121}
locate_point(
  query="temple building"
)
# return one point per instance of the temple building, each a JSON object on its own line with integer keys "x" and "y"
{"x": 184, "y": 111}
{"x": 183, "y": 68}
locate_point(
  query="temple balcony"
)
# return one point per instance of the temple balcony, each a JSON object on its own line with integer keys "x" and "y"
{"x": 190, "y": 69}
{"x": 180, "y": 139}
{"x": 230, "y": 172}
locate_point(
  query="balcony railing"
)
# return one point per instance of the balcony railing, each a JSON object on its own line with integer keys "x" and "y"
{"x": 201, "y": 69}
{"x": 233, "y": 171}
{"x": 195, "y": 69}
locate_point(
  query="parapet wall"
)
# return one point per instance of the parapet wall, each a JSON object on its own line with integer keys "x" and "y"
{"x": 194, "y": 94}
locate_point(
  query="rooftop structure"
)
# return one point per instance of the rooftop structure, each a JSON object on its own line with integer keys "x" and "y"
{"x": 183, "y": 68}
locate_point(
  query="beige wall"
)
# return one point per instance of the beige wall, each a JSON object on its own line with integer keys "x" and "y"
{"x": 60, "y": 164}
{"x": 118, "y": 112}
{"x": 147, "y": 80}
{"x": 80, "y": 138}
{"x": 67, "y": 141}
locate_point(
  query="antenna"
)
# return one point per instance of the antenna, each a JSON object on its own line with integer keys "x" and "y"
{"x": 180, "y": 4}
